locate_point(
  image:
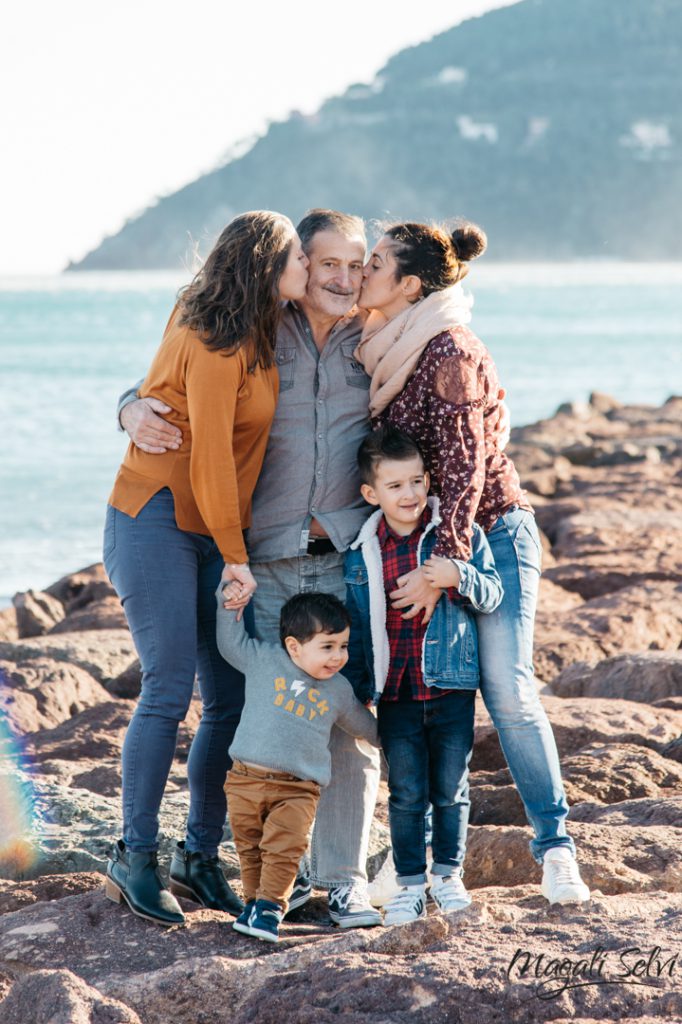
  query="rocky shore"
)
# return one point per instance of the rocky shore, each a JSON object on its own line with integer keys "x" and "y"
{"x": 606, "y": 481}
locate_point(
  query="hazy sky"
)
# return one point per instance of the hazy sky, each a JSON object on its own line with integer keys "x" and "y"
{"x": 106, "y": 105}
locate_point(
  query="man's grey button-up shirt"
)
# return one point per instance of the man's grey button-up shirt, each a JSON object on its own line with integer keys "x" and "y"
{"x": 310, "y": 466}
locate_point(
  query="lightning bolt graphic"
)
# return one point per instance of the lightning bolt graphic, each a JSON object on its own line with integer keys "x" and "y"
{"x": 297, "y": 687}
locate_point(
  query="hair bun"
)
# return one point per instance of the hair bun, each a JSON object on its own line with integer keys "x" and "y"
{"x": 468, "y": 241}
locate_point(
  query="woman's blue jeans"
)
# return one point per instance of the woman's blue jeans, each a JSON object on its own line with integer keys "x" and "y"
{"x": 427, "y": 744}
{"x": 508, "y": 684}
{"x": 166, "y": 579}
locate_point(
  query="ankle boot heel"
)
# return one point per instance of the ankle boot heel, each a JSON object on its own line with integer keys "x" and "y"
{"x": 198, "y": 877}
{"x": 133, "y": 879}
{"x": 181, "y": 890}
{"x": 112, "y": 891}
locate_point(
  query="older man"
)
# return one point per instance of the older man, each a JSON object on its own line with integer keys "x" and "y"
{"x": 306, "y": 510}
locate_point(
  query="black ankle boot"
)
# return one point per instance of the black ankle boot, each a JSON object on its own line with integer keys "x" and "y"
{"x": 199, "y": 877}
{"x": 134, "y": 878}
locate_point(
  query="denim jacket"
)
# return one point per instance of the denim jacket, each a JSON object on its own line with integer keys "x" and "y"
{"x": 450, "y": 647}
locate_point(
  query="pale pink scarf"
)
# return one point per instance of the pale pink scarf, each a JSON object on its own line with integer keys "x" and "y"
{"x": 389, "y": 350}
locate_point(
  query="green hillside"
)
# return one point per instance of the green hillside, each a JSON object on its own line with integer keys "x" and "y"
{"x": 555, "y": 123}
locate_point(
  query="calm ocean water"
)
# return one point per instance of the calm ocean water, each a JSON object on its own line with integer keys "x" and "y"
{"x": 69, "y": 345}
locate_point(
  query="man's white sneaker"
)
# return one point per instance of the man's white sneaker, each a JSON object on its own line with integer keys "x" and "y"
{"x": 407, "y": 905}
{"x": 385, "y": 885}
{"x": 448, "y": 893}
{"x": 561, "y": 881}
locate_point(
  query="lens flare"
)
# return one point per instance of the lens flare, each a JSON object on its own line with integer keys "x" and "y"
{"x": 18, "y": 851}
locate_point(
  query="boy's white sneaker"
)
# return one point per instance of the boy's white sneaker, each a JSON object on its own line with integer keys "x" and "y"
{"x": 561, "y": 881}
{"x": 385, "y": 885}
{"x": 407, "y": 905}
{"x": 448, "y": 892}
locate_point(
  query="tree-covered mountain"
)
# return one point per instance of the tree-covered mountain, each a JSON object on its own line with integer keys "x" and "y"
{"x": 557, "y": 124}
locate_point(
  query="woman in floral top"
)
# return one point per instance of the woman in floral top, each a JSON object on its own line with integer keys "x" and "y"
{"x": 433, "y": 378}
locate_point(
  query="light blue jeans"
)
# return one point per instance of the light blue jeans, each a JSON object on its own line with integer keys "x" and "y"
{"x": 340, "y": 840}
{"x": 508, "y": 684}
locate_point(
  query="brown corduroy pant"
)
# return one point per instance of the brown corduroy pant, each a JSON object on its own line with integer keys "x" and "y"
{"x": 271, "y": 816}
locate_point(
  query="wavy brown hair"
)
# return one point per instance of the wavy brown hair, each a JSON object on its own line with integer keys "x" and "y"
{"x": 234, "y": 298}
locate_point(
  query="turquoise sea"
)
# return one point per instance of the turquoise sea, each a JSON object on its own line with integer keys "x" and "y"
{"x": 70, "y": 344}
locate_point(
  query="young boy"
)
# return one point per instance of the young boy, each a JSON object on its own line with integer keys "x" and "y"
{"x": 280, "y": 752}
{"x": 423, "y": 677}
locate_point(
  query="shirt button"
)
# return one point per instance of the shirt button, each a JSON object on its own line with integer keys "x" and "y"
{"x": 320, "y": 436}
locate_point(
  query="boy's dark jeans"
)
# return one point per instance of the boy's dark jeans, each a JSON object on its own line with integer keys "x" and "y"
{"x": 428, "y": 747}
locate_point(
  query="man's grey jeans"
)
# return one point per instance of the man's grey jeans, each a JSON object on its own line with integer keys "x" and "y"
{"x": 344, "y": 815}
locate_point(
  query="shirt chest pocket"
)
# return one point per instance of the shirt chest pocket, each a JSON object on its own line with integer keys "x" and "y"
{"x": 286, "y": 365}
{"x": 353, "y": 370}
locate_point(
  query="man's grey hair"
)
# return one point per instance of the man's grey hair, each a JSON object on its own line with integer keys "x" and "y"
{"x": 345, "y": 224}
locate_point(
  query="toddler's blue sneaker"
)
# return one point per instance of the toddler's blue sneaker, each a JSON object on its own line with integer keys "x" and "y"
{"x": 242, "y": 922}
{"x": 264, "y": 920}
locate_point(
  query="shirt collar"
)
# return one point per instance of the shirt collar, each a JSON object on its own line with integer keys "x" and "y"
{"x": 354, "y": 318}
{"x": 385, "y": 533}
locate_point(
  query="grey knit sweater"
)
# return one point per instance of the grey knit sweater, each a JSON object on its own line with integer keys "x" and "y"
{"x": 288, "y": 715}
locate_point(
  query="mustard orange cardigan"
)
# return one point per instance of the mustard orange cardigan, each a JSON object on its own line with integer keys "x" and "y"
{"x": 225, "y": 414}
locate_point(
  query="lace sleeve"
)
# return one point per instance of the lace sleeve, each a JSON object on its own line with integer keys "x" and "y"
{"x": 459, "y": 399}
{"x": 460, "y": 381}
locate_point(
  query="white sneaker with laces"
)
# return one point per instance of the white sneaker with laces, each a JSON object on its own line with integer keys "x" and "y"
{"x": 448, "y": 893}
{"x": 408, "y": 905}
{"x": 349, "y": 907}
{"x": 561, "y": 881}
{"x": 385, "y": 885}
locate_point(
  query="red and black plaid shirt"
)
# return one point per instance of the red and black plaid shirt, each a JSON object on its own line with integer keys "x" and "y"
{"x": 405, "y": 636}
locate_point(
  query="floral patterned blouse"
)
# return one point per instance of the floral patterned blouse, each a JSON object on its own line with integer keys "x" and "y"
{"x": 450, "y": 407}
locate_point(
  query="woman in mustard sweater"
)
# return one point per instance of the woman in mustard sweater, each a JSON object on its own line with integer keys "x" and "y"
{"x": 174, "y": 528}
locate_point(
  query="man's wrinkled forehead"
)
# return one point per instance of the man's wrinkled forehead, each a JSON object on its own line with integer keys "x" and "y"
{"x": 329, "y": 244}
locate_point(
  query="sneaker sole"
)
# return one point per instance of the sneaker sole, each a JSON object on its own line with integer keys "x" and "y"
{"x": 361, "y": 921}
{"x": 584, "y": 896}
{"x": 298, "y": 901}
{"x": 409, "y": 920}
{"x": 453, "y": 909}
{"x": 564, "y": 900}
{"x": 242, "y": 928}
{"x": 265, "y": 936}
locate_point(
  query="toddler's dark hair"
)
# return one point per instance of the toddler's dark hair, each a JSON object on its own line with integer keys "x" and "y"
{"x": 305, "y": 615}
{"x": 387, "y": 442}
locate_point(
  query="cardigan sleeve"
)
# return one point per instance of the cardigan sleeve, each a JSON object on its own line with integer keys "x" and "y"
{"x": 212, "y": 382}
{"x": 458, "y": 402}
